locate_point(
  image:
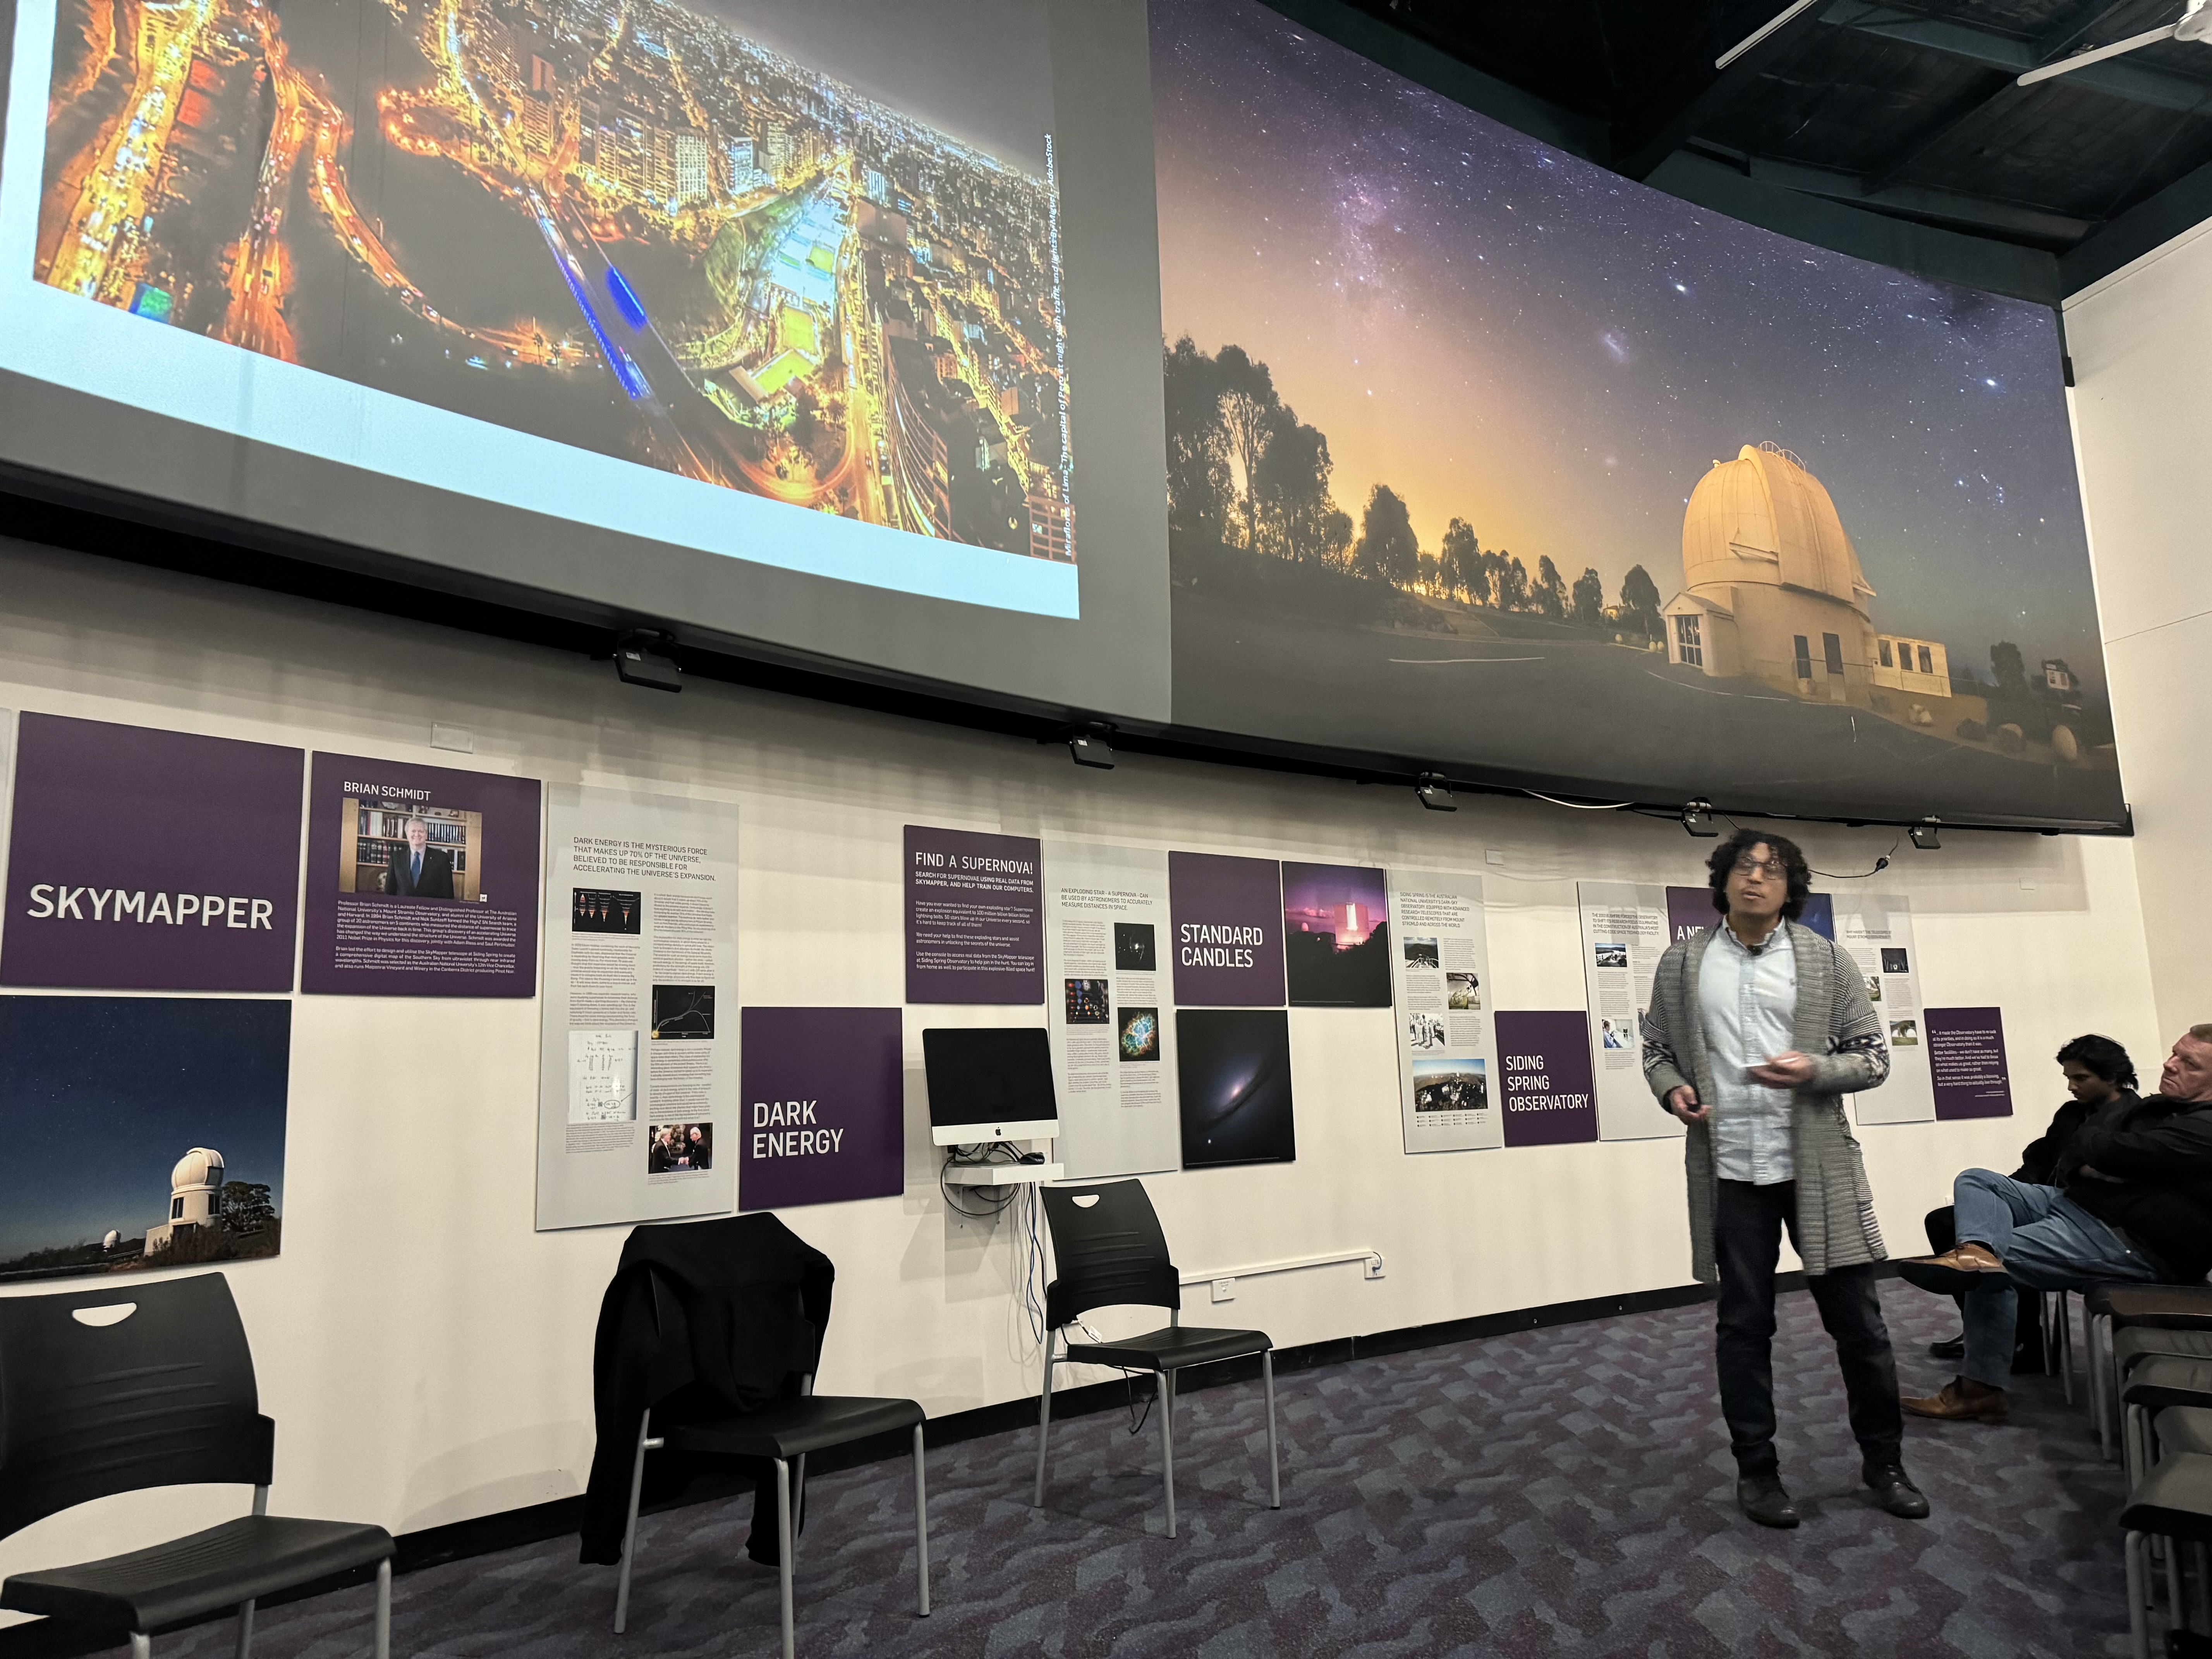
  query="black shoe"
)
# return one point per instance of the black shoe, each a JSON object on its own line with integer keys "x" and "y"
{"x": 1893, "y": 1491}
{"x": 1955, "y": 1348}
{"x": 1762, "y": 1498}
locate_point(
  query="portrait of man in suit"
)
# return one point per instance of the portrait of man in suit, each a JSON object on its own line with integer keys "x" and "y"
{"x": 419, "y": 870}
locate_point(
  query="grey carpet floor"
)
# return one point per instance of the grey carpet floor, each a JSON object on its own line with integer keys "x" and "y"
{"x": 1565, "y": 1491}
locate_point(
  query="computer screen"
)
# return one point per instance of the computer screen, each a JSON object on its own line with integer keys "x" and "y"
{"x": 988, "y": 1077}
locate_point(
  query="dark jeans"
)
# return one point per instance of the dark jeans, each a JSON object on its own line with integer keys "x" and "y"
{"x": 1748, "y": 1224}
{"x": 2028, "y": 1327}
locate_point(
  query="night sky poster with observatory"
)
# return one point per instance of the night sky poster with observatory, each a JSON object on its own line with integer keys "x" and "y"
{"x": 1366, "y": 286}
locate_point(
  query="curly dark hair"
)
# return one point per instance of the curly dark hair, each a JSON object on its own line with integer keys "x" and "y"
{"x": 2103, "y": 1056}
{"x": 1738, "y": 846}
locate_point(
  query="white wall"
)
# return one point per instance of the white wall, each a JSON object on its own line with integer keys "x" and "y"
{"x": 437, "y": 1367}
{"x": 2142, "y": 345}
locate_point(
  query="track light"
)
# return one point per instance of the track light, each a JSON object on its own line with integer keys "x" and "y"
{"x": 1088, "y": 746}
{"x": 647, "y": 659}
{"x": 1435, "y": 794}
{"x": 1925, "y": 836}
{"x": 1698, "y": 819}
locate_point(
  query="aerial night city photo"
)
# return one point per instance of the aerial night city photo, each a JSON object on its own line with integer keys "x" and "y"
{"x": 718, "y": 241}
{"x": 1479, "y": 452}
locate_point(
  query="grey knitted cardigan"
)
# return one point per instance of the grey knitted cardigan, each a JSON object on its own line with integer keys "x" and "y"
{"x": 1834, "y": 1024}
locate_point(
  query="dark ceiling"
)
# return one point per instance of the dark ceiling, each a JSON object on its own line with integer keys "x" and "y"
{"x": 1853, "y": 108}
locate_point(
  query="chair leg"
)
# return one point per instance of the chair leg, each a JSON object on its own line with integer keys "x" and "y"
{"x": 799, "y": 1505}
{"x": 783, "y": 1553}
{"x": 245, "y": 1629}
{"x": 1044, "y": 1420}
{"x": 2138, "y": 1624}
{"x": 384, "y": 1609}
{"x": 1167, "y": 1444}
{"x": 2104, "y": 1394}
{"x": 1275, "y": 1465}
{"x": 629, "y": 1527}
{"x": 921, "y": 1530}
{"x": 2176, "y": 1618}
{"x": 141, "y": 1647}
{"x": 2064, "y": 1325}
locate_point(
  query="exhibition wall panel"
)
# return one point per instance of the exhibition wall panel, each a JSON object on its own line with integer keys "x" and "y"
{"x": 426, "y": 1353}
{"x": 2143, "y": 356}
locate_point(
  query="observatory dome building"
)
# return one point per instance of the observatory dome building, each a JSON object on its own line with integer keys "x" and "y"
{"x": 1773, "y": 590}
{"x": 195, "y": 1196}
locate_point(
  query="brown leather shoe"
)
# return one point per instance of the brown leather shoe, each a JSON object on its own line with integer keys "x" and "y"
{"x": 1962, "y": 1400}
{"x": 1955, "y": 1272}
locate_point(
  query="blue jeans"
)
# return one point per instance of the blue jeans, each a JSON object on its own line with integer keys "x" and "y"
{"x": 2047, "y": 1242}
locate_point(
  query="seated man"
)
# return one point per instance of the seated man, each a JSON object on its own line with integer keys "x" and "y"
{"x": 2100, "y": 1086}
{"x": 2135, "y": 1207}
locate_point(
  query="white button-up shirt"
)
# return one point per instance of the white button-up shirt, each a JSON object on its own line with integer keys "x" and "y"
{"x": 1748, "y": 1002}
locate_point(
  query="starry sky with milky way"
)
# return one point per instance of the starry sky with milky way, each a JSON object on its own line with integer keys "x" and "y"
{"x": 1506, "y": 334}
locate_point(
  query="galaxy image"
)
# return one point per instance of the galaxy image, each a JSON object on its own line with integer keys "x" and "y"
{"x": 1233, "y": 1067}
{"x": 1371, "y": 292}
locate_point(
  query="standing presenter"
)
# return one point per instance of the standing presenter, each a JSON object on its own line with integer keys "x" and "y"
{"x": 1757, "y": 1029}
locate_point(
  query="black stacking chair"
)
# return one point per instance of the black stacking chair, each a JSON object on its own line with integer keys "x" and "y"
{"x": 784, "y": 1434}
{"x": 2109, "y": 1310}
{"x": 1108, "y": 1251}
{"x": 127, "y": 1387}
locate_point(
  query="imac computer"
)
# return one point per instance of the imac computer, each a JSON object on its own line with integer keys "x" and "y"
{"x": 989, "y": 1083}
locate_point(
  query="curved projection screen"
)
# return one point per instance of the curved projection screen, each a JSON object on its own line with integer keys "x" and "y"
{"x": 1480, "y": 454}
{"x": 782, "y": 284}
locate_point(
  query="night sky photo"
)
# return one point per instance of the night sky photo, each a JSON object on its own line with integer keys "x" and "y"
{"x": 102, "y": 1096}
{"x": 1505, "y": 334}
{"x": 1336, "y": 936}
{"x": 1233, "y": 1069}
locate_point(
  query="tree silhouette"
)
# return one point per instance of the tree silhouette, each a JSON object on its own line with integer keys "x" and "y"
{"x": 1248, "y": 406}
{"x": 1589, "y": 597}
{"x": 1389, "y": 550}
{"x": 245, "y": 1207}
{"x": 2007, "y": 666}
{"x": 1291, "y": 487}
{"x": 1639, "y": 597}
{"x": 1511, "y": 580}
{"x": 1198, "y": 447}
{"x": 1461, "y": 559}
{"x": 1551, "y": 594}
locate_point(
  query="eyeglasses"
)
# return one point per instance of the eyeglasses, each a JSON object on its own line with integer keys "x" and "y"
{"x": 1761, "y": 867}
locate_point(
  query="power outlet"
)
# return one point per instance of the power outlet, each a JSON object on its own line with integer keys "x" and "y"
{"x": 1224, "y": 1289}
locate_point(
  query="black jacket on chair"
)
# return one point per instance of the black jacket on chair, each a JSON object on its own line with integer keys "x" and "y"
{"x": 703, "y": 1319}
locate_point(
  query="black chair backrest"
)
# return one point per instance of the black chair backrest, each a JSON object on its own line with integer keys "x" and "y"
{"x": 162, "y": 1397}
{"x": 1109, "y": 1250}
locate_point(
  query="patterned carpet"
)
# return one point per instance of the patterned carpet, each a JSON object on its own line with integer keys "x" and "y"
{"x": 1561, "y": 1491}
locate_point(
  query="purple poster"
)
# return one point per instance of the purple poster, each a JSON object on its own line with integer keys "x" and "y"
{"x": 823, "y": 1096}
{"x": 1544, "y": 1078}
{"x": 149, "y": 860}
{"x": 975, "y": 917}
{"x": 1336, "y": 936}
{"x": 422, "y": 881}
{"x": 1965, "y": 1060}
{"x": 1228, "y": 916}
{"x": 1690, "y": 912}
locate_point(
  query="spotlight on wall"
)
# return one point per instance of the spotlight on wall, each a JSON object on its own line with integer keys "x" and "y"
{"x": 647, "y": 659}
{"x": 1433, "y": 793}
{"x": 1698, "y": 819}
{"x": 1925, "y": 836}
{"x": 1089, "y": 747}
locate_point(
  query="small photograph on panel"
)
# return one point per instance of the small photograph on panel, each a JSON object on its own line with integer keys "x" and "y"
{"x": 1336, "y": 936}
{"x": 1233, "y": 1071}
{"x": 429, "y": 853}
{"x": 1424, "y": 1031}
{"x": 1873, "y": 988}
{"x": 1462, "y": 992}
{"x": 1087, "y": 1002}
{"x": 605, "y": 910}
{"x": 1893, "y": 960}
{"x": 1617, "y": 1034}
{"x": 142, "y": 1132}
{"x": 1904, "y": 1034}
{"x": 682, "y": 1011}
{"x": 1450, "y": 1085}
{"x": 1422, "y": 953}
{"x": 679, "y": 1148}
{"x": 1133, "y": 949}
{"x": 1140, "y": 1034}
{"x": 1612, "y": 955}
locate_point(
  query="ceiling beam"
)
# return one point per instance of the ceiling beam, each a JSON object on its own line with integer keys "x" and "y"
{"x": 1924, "y": 202}
{"x": 1678, "y": 108}
{"x": 2117, "y": 78}
{"x": 2149, "y": 225}
{"x": 2064, "y": 35}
